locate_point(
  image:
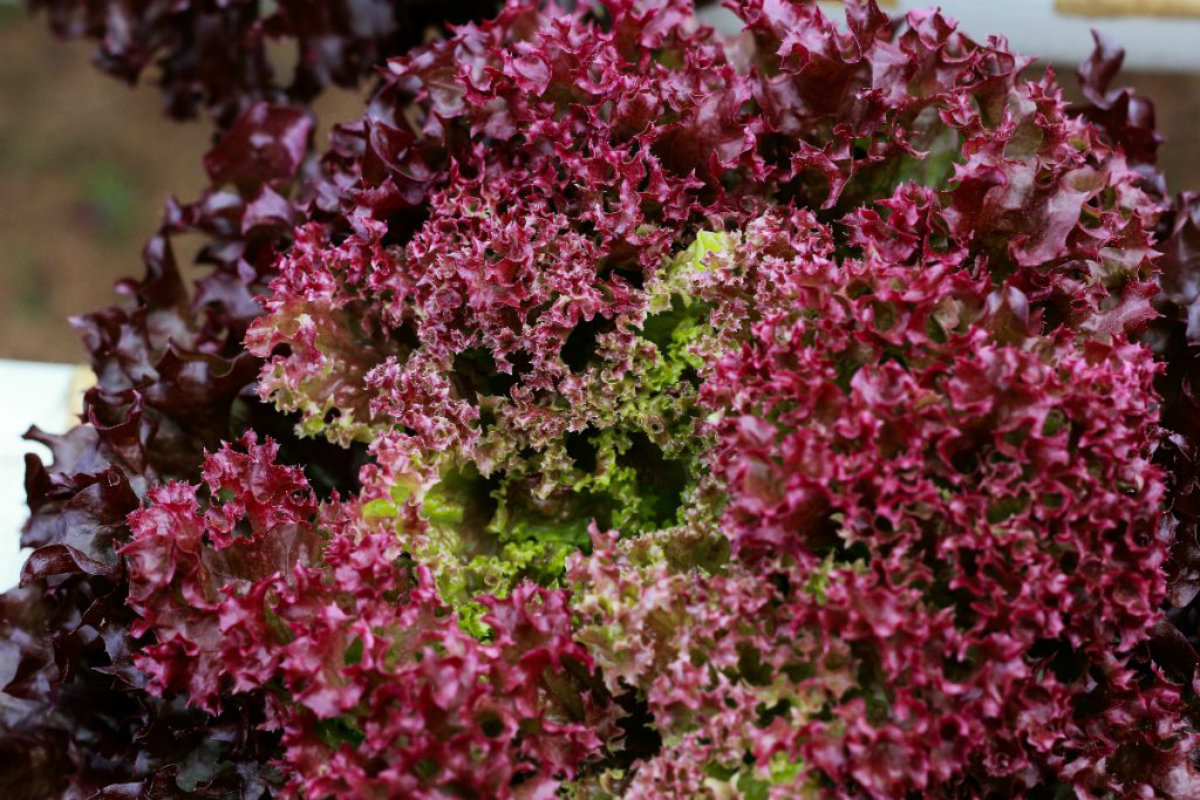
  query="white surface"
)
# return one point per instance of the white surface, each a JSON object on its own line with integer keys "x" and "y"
{"x": 1034, "y": 28}
{"x": 30, "y": 394}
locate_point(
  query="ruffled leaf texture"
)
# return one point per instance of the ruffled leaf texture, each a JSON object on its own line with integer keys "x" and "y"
{"x": 217, "y": 57}
{"x": 173, "y": 381}
{"x": 617, "y": 409}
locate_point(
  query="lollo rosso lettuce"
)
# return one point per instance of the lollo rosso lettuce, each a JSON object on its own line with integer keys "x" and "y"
{"x": 622, "y": 410}
{"x": 217, "y": 57}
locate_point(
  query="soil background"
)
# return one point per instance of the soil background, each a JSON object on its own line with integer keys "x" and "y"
{"x": 87, "y": 162}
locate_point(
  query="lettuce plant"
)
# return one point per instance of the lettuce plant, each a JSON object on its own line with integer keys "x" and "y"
{"x": 619, "y": 409}
{"x": 219, "y": 56}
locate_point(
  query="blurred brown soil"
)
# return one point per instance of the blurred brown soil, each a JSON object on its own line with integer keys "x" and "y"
{"x": 86, "y": 164}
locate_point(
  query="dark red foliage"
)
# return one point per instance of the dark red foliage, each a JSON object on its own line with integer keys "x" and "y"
{"x": 385, "y": 696}
{"x": 220, "y": 56}
{"x": 173, "y": 380}
{"x": 76, "y": 721}
{"x": 983, "y": 490}
{"x": 1128, "y": 121}
{"x": 1176, "y": 339}
{"x": 1126, "y": 118}
{"x": 836, "y": 326}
